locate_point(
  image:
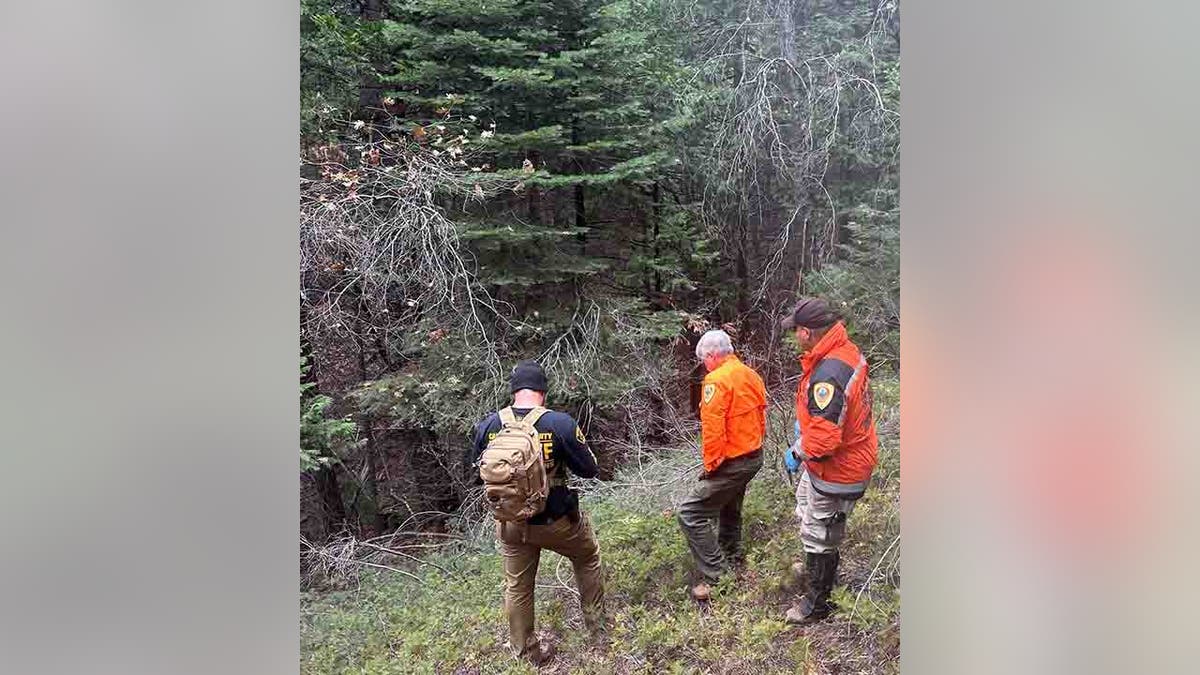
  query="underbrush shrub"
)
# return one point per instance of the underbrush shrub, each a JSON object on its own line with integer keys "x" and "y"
{"x": 451, "y": 620}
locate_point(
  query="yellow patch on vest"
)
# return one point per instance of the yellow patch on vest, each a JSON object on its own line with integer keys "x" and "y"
{"x": 709, "y": 390}
{"x": 822, "y": 394}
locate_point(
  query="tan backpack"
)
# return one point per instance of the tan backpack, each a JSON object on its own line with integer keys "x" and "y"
{"x": 514, "y": 477}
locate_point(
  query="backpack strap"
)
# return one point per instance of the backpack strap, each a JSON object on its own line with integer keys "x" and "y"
{"x": 554, "y": 474}
{"x": 507, "y": 416}
{"x": 552, "y": 477}
{"x": 532, "y": 416}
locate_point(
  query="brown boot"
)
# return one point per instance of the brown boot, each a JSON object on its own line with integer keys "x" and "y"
{"x": 806, "y": 611}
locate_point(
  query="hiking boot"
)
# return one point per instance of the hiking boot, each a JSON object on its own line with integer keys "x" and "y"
{"x": 807, "y": 611}
{"x": 701, "y": 592}
{"x": 540, "y": 654}
{"x": 815, "y": 605}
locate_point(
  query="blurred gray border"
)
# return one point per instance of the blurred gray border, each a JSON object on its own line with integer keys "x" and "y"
{"x": 149, "y": 344}
{"x": 149, "y": 347}
{"x": 1072, "y": 123}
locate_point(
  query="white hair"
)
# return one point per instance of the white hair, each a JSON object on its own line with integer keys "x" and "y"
{"x": 714, "y": 342}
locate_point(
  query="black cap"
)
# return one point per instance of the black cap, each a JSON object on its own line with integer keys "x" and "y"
{"x": 810, "y": 313}
{"x": 528, "y": 375}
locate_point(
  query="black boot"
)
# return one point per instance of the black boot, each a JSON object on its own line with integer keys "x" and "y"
{"x": 815, "y": 603}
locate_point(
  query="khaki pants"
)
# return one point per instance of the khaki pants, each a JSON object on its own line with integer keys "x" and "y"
{"x": 718, "y": 497}
{"x": 822, "y": 518}
{"x": 521, "y": 545}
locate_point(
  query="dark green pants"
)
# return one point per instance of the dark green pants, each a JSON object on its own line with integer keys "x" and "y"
{"x": 717, "y": 498}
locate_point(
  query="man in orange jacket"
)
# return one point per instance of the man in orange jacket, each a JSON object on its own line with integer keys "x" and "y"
{"x": 836, "y": 446}
{"x": 732, "y": 422}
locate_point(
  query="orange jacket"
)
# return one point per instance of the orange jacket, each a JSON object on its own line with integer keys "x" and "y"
{"x": 833, "y": 406}
{"x": 733, "y": 418}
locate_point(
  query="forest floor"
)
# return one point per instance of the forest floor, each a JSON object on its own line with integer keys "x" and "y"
{"x": 448, "y": 619}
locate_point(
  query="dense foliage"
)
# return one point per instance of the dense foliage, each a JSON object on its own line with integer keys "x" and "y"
{"x": 321, "y": 438}
{"x": 590, "y": 183}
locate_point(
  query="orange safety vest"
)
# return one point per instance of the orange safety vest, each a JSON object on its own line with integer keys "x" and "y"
{"x": 733, "y": 417}
{"x": 833, "y": 406}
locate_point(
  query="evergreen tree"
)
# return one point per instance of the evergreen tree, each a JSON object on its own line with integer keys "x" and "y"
{"x": 574, "y": 98}
{"x": 598, "y": 179}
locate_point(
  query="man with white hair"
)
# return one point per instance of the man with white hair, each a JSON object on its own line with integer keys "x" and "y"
{"x": 733, "y": 422}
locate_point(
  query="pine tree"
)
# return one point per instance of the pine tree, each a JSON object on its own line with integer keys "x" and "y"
{"x": 574, "y": 97}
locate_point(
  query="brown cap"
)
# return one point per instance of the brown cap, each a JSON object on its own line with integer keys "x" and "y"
{"x": 810, "y": 313}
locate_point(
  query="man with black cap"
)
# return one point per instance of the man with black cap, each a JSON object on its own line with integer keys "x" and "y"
{"x": 560, "y": 527}
{"x": 835, "y": 450}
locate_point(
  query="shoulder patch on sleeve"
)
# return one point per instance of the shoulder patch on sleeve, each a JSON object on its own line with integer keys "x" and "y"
{"x": 827, "y": 398}
{"x": 709, "y": 390}
{"x": 822, "y": 394}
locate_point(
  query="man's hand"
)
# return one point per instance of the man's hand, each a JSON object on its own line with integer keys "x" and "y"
{"x": 790, "y": 459}
{"x": 703, "y": 475}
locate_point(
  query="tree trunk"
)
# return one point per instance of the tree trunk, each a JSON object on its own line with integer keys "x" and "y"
{"x": 743, "y": 278}
{"x": 370, "y": 90}
{"x": 656, "y": 211}
{"x": 580, "y": 213}
{"x": 375, "y": 519}
{"x": 787, "y": 47}
{"x": 533, "y": 195}
{"x": 326, "y": 482}
{"x": 333, "y": 508}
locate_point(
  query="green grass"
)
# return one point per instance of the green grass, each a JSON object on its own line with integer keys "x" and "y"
{"x": 451, "y": 621}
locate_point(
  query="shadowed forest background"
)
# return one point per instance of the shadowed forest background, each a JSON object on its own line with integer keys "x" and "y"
{"x": 591, "y": 184}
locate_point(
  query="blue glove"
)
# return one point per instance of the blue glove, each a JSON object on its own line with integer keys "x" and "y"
{"x": 790, "y": 459}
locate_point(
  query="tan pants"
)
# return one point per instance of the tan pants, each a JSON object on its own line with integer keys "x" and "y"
{"x": 822, "y": 518}
{"x": 521, "y": 545}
